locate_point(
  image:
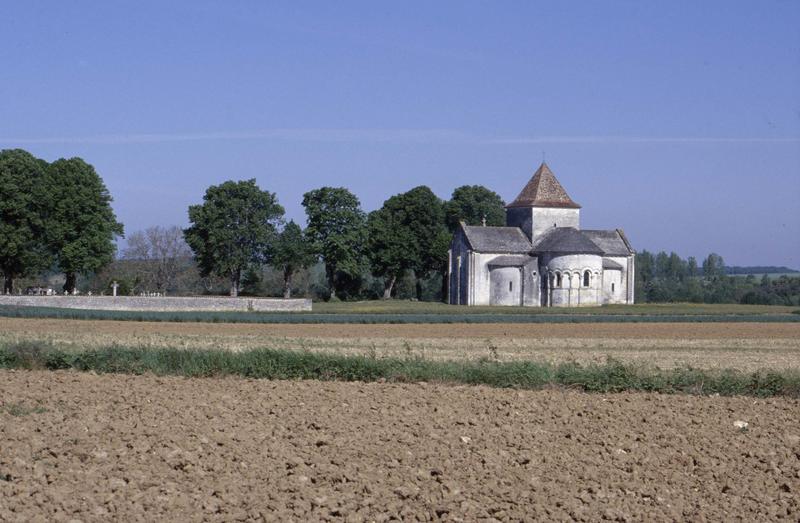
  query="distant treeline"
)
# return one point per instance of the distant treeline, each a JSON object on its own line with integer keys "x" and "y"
{"x": 666, "y": 277}
{"x": 759, "y": 269}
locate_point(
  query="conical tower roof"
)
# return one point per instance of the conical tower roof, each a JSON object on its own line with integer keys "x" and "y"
{"x": 543, "y": 190}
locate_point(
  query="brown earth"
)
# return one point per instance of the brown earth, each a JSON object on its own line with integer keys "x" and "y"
{"x": 417, "y": 330}
{"x": 93, "y": 448}
{"x": 743, "y": 346}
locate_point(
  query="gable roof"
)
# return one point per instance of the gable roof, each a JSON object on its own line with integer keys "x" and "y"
{"x": 496, "y": 239}
{"x": 613, "y": 243}
{"x": 543, "y": 190}
{"x": 567, "y": 240}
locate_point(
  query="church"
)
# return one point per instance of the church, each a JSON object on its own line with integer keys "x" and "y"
{"x": 542, "y": 257}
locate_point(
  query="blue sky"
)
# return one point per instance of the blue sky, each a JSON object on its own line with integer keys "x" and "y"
{"x": 677, "y": 121}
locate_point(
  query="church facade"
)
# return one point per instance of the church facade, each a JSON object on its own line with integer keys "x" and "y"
{"x": 542, "y": 257}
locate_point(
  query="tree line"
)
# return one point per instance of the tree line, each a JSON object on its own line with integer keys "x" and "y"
{"x": 57, "y": 218}
{"x": 239, "y": 226}
{"x": 663, "y": 277}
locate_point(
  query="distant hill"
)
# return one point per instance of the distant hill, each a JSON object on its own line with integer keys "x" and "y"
{"x": 757, "y": 269}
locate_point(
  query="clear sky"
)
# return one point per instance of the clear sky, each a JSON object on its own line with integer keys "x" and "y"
{"x": 677, "y": 121}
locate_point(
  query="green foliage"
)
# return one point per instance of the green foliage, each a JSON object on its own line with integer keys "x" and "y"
{"x": 613, "y": 376}
{"x": 22, "y": 208}
{"x": 713, "y": 266}
{"x": 292, "y": 252}
{"x": 471, "y": 204}
{"x": 80, "y": 223}
{"x": 233, "y": 228}
{"x": 337, "y": 232}
{"x": 665, "y": 278}
{"x": 407, "y": 234}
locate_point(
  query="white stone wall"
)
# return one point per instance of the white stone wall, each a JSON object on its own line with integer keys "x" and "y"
{"x": 545, "y": 217}
{"x": 572, "y": 292}
{"x": 459, "y": 290}
{"x": 163, "y": 304}
{"x": 505, "y": 286}
{"x": 622, "y": 280}
{"x": 478, "y": 271}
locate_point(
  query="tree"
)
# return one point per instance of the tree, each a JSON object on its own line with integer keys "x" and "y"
{"x": 713, "y": 267}
{"x": 81, "y": 225}
{"x": 471, "y": 204}
{"x": 691, "y": 267}
{"x": 234, "y": 227}
{"x": 337, "y": 231}
{"x": 22, "y": 202}
{"x": 162, "y": 252}
{"x": 407, "y": 234}
{"x": 391, "y": 244}
{"x": 292, "y": 252}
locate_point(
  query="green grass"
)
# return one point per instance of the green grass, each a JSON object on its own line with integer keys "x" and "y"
{"x": 418, "y": 314}
{"x": 612, "y": 376}
{"x": 18, "y": 409}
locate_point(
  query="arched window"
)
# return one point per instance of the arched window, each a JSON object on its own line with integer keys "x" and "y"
{"x": 612, "y": 287}
{"x": 558, "y": 279}
{"x": 586, "y": 277}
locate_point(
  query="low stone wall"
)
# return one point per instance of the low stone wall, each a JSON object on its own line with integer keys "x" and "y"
{"x": 136, "y": 303}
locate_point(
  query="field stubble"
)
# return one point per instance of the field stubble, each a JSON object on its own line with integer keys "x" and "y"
{"x": 741, "y": 346}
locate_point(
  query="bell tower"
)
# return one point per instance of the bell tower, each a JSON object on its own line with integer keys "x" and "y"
{"x": 542, "y": 205}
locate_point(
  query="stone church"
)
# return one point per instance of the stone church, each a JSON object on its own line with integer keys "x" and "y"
{"x": 541, "y": 257}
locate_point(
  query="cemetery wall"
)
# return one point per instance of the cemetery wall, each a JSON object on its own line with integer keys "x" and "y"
{"x": 160, "y": 303}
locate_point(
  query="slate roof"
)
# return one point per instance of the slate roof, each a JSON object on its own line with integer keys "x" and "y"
{"x": 511, "y": 260}
{"x": 567, "y": 240}
{"x": 613, "y": 243}
{"x": 611, "y": 264}
{"x": 543, "y": 190}
{"x": 497, "y": 239}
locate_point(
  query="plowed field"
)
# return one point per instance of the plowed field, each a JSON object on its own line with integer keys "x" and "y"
{"x": 88, "y": 447}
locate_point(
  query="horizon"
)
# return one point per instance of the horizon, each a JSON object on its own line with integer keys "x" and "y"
{"x": 668, "y": 122}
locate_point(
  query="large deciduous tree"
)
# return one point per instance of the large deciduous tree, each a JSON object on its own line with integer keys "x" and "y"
{"x": 292, "y": 252}
{"x": 22, "y": 202}
{"x": 408, "y": 233}
{"x": 390, "y": 246}
{"x": 471, "y": 204}
{"x": 232, "y": 229}
{"x": 80, "y": 224}
{"x": 337, "y": 230}
{"x": 161, "y": 253}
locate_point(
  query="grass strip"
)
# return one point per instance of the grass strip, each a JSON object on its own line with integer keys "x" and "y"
{"x": 369, "y": 318}
{"x": 612, "y": 376}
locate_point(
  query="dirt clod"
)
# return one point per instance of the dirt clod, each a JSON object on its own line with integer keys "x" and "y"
{"x": 116, "y": 447}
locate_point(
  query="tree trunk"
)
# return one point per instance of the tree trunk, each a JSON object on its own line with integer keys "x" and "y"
{"x": 445, "y": 287}
{"x": 69, "y": 285}
{"x": 287, "y": 283}
{"x": 8, "y": 284}
{"x": 388, "y": 286}
{"x": 236, "y": 277}
{"x": 330, "y": 272}
{"x": 419, "y": 288}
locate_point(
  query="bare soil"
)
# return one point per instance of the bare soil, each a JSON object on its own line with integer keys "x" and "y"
{"x": 93, "y": 448}
{"x": 743, "y": 346}
{"x": 461, "y": 330}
